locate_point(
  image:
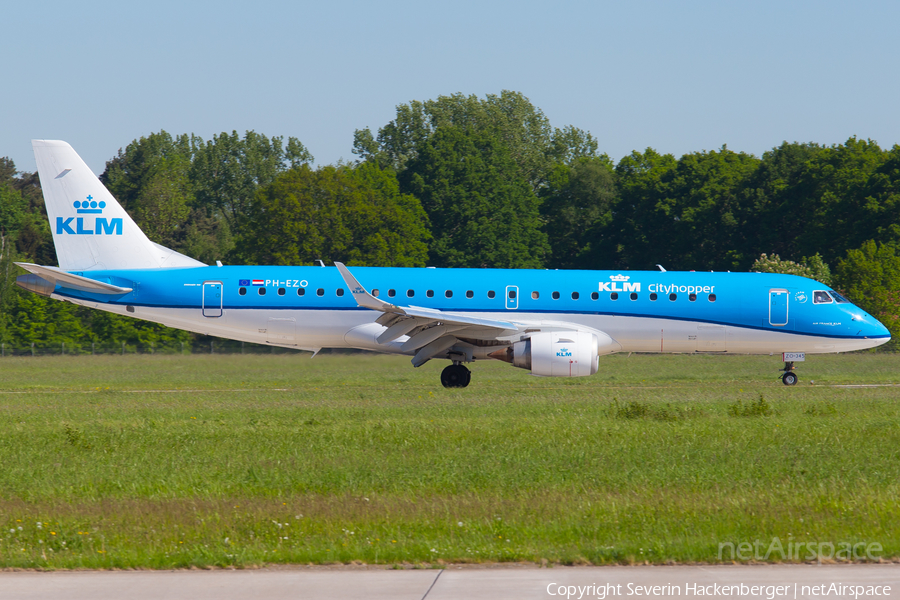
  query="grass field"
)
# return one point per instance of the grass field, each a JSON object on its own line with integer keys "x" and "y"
{"x": 176, "y": 461}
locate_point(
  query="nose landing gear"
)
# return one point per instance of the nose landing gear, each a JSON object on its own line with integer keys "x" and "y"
{"x": 456, "y": 376}
{"x": 789, "y": 377}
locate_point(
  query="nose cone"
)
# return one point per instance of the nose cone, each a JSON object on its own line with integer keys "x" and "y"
{"x": 880, "y": 330}
{"x": 868, "y": 327}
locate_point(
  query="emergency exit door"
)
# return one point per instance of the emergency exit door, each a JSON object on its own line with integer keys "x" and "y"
{"x": 512, "y": 297}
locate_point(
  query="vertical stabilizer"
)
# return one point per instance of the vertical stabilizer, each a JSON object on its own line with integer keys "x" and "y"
{"x": 90, "y": 228}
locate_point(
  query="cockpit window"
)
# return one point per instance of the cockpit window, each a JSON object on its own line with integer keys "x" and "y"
{"x": 821, "y": 298}
{"x": 838, "y": 298}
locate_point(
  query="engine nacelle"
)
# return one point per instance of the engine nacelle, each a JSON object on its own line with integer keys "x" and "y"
{"x": 561, "y": 353}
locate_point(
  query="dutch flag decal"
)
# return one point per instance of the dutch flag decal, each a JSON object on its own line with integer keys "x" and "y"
{"x": 258, "y": 282}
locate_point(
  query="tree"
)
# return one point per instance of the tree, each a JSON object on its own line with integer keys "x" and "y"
{"x": 576, "y": 206}
{"x": 227, "y": 170}
{"x": 163, "y": 200}
{"x": 833, "y": 208}
{"x": 508, "y": 117}
{"x": 354, "y": 215}
{"x": 870, "y": 277}
{"x": 128, "y": 172}
{"x": 684, "y": 214}
{"x": 151, "y": 180}
{"x": 775, "y": 215}
{"x": 483, "y": 213}
{"x": 638, "y": 221}
{"x": 814, "y": 267}
{"x": 189, "y": 194}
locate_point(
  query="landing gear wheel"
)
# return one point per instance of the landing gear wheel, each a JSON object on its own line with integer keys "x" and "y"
{"x": 456, "y": 376}
{"x": 789, "y": 379}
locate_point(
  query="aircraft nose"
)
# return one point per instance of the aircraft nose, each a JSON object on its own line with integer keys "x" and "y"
{"x": 869, "y": 326}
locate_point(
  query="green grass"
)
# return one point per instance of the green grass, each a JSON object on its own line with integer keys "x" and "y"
{"x": 176, "y": 461}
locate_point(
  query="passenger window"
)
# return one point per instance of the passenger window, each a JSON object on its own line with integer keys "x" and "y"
{"x": 302, "y": 291}
{"x": 470, "y": 294}
{"x": 555, "y": 295}
{"x": 410, "y": 293}
{"x": 375, "y": 292}
{"x": 512, "y": 294}
{"x": 535, "y": 295}
{"x": 261, "y": 291}
{"x": 614, "y": 296}
{"x": 692, "y": 297}
{"x": 595, "y": 296}
{"x": 320, "y": 292}
{"x": 339, "y": 291}
{"x": 392, "y": 293}
{"x": 653, "y": 296}
{"x": 633, "y": 296}
{"x": 448, "y": 294}
{"x": 430, "y": 293}
{"x": 712, "y": 297}
{"x": 838, "y": 298}
{"x": 242, "y": 291}
{"x": 281, "y": 291}
{"x": 673, "y": 297}
{"x": 491, "y": 294}
{"x": 575, "y": 296}
{"x": 821, "y": 298}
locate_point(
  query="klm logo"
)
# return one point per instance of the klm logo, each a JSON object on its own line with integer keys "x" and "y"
{"x": 101, "y": 226}
{"x": 619, "y": 283}
{"x": 564, "y": 352}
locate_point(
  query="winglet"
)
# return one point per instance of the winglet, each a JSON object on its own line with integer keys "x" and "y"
{"x": 362, "y": 297}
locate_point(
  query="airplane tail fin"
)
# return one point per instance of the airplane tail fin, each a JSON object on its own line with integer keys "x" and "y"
{"x": 91, "y": 230}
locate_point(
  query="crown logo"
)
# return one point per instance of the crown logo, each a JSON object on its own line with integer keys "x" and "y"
{"x": 619, "y": 277}
{"x": 89, "y": 206}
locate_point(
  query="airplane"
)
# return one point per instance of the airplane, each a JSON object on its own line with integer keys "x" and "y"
{"x": 552, "y": 323}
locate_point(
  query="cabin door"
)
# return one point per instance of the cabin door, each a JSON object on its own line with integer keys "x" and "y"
{"x": 212, "y": 299}
{"x": 778, "y": 307}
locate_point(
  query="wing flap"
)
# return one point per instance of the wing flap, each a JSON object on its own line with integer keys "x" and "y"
{"x": 398, "y": 329}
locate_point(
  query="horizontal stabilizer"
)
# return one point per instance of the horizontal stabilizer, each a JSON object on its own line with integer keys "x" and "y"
{"x": 76, "y": 282}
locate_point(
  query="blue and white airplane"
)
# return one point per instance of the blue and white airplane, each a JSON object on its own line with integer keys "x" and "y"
{"x": 552, "y": 323}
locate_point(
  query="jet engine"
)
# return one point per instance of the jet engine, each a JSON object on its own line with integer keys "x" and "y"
{"x": 558, "y": 353}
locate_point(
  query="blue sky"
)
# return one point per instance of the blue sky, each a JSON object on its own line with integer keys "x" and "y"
{"x": 676, "y": 76}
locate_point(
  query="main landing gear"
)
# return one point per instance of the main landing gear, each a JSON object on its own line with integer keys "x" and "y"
{"x": 789, "y": 377}
{"x": 456, "y": 376}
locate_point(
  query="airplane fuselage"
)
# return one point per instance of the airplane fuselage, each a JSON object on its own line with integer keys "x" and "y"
{"x": 642, "y": 311}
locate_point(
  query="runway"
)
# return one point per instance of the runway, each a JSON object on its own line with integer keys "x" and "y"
{"x": 771, "y": 582}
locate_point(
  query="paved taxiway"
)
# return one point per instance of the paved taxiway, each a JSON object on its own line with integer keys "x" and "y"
{"x": 469, "y": 582}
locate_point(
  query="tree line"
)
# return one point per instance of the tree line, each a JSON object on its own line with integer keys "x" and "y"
{"x": 463, "y": 181}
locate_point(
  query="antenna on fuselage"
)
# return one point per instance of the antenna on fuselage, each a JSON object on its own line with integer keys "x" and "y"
{"x": 319, "y": 260}
{"x": 661, "y": 268}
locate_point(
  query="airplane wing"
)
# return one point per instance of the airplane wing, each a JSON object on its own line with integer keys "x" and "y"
{"x": 56, "y": 275}
{"x": 431, "y": 332}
